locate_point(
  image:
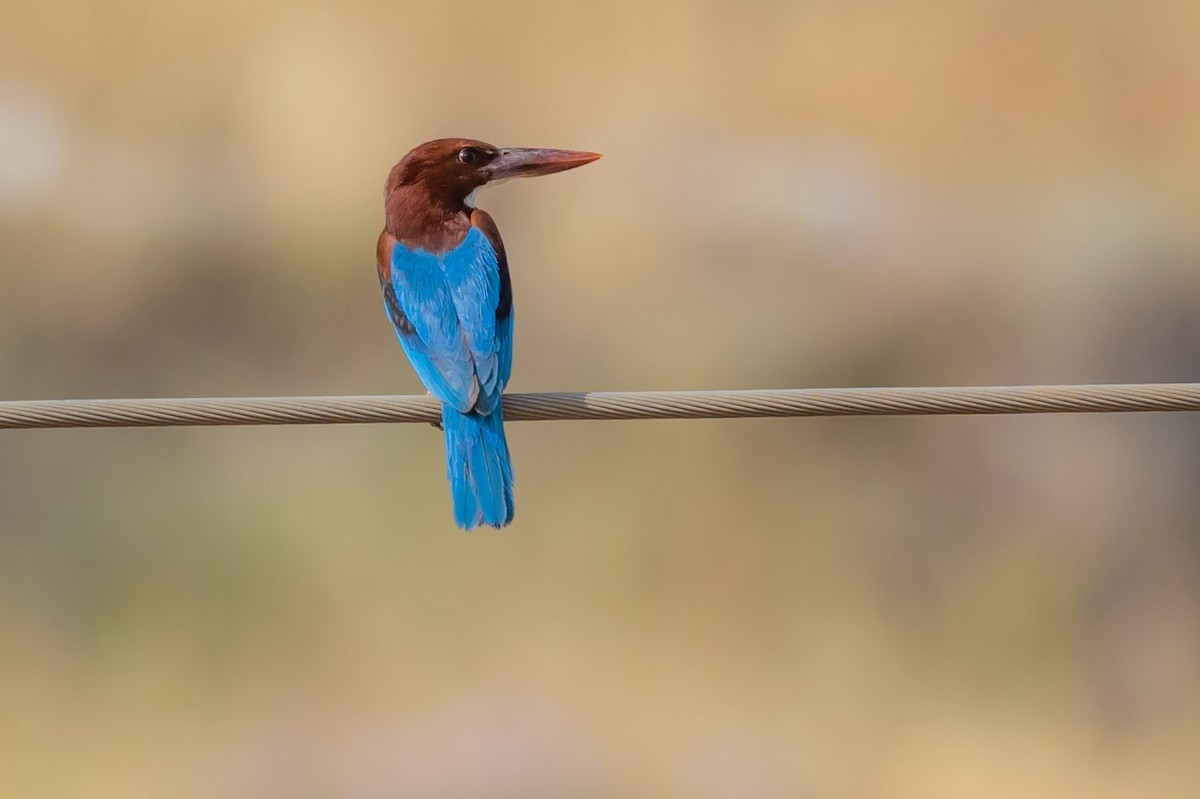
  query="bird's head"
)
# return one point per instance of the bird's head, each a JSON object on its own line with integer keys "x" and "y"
{"x": 450, "y": 170}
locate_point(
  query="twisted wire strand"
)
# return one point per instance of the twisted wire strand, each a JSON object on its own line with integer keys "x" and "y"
{"x": 608, "y": 405}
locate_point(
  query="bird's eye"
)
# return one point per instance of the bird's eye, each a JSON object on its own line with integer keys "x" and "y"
{"x": 468, "y": 155}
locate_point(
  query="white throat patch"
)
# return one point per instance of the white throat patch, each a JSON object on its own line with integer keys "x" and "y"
{"x": 471, "y": 198}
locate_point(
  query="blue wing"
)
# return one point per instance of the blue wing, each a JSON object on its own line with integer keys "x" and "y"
{"x": 447, "y": 321}
{"x": 473, "y": 275}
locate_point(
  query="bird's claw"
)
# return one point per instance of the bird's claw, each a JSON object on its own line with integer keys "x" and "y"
{"x": 438, "y": 423}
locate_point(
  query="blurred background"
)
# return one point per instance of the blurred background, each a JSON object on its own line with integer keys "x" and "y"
{"x": 821, "y": 193}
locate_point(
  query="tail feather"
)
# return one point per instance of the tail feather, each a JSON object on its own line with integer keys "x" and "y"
{"x": 478, "y": 467}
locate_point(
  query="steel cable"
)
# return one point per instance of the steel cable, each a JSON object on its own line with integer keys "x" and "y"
{"x": 608, "y": 405}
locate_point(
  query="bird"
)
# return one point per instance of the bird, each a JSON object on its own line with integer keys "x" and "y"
{"x": 447, "y": 293}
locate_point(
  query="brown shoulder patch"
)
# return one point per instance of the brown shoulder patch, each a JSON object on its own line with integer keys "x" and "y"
{"x": 383, "y": 257}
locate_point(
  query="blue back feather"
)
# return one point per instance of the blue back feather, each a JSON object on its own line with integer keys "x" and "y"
{"x": 459, "y": 351}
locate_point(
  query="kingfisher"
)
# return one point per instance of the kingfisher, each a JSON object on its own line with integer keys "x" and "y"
{"x": 447, "y": 293}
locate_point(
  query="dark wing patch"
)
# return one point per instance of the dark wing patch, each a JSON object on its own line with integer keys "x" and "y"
{"x": 395, "y": 312}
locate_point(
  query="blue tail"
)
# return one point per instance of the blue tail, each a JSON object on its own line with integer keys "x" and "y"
{"x": 477, "y": 464}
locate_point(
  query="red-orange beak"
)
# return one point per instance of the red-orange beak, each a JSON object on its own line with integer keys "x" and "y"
{"x": 524, "y": 162}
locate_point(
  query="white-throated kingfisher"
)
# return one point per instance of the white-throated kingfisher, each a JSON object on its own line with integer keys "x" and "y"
{"x": 447, "y": 293}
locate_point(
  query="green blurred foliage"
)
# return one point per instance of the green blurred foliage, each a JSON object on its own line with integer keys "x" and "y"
{"x": 794, "y": 194}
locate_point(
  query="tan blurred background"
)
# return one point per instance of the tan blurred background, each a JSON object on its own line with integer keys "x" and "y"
{"x": 794, "y": 194}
